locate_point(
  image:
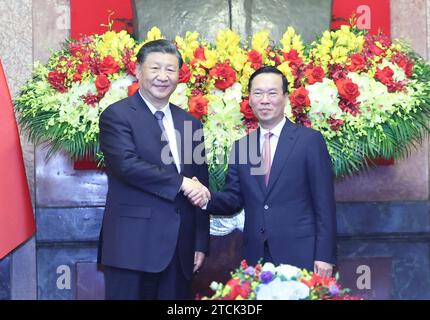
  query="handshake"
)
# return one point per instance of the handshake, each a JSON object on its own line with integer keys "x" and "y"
{"x": 196, "y": 192}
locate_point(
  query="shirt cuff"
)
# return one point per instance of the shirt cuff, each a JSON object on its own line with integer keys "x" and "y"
{"x": 205, "y": 206}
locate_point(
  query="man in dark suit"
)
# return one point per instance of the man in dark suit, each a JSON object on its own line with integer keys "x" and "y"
{"x": 281, "y": 174}
{"x": 152, "y": 237}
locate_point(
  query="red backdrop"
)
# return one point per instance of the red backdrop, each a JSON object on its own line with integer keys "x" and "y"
{"x": 373, "y": 15}
{"x": 88, "y": 15}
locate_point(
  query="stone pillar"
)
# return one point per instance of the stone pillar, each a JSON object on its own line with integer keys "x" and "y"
{"x": 16, "y": 53}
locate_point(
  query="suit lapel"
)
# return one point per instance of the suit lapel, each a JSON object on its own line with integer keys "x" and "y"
{"x": 254, "y": 145}
{"x": 285, "y": 145}
{"x": 151, "y": 131}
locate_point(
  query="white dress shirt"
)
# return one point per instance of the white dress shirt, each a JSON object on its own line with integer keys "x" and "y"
{"x": 169, "y": 127}
{"x": 276, "y": 133}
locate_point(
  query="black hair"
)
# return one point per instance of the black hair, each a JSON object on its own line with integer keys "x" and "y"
{"x": 161, "y": 45}
{"x": 269, "y": 69}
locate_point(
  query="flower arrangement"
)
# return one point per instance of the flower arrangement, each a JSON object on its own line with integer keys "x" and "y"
{"x": 282, "y": 282}
{"x": 367, "y": 95}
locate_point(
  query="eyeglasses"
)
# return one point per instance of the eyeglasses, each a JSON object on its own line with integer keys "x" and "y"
{"x": 269, "y": 94}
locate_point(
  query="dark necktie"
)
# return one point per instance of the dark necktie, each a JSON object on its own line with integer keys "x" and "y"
{"x": 159, "y": 115}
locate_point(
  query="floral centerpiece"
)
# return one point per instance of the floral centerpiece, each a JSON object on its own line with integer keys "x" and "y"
{"x": 367, "y": 95}
{"x": 282, "y": 282}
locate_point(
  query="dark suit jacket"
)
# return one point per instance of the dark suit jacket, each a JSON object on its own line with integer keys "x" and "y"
{"x": 295, "y": 213}
{"x": 146, "y": 216}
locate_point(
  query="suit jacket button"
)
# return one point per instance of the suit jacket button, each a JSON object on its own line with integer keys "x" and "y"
{"x": 178, "y": 211}
{"x": 262, "y": 230}
{"x": 266, "y": 207}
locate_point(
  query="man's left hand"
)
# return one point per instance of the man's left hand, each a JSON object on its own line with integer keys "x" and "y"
{"x": 323, "y": 269}
{"x": 199, "y": 258}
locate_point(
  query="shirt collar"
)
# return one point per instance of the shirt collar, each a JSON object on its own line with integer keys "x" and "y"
{"x": 165, "y": 109}
{"x": 276, "y": 131}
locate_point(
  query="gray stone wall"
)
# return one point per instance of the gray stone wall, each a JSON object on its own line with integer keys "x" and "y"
{"x": 175, "y": 17}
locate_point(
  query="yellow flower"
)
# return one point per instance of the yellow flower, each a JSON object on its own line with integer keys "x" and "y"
{"x": 288, "y": 73}
{"x": 113, "y": 43}
{"x": 291, "y": 40}
{"x": 340, "y": 55}
{"x": 227, "y": 43}
{"x": 154, "y": 34}
{"x": 247, "y": 71}
{"x": 211, "y": 58}
{"x": 238, "y": 60}
{"x": 188, "y": 45}
{"x": 260, "y": 41}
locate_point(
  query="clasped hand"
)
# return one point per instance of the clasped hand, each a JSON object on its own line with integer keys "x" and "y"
{"x": 195, "y": 191}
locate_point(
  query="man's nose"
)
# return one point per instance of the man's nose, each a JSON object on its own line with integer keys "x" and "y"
{"x": 265, "y": 98}
{"x": 162, "y": 75}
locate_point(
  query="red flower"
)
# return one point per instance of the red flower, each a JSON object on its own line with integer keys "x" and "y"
{"x": 352, "y": 107}
{"x": 83, "y": 67}
{"x": 293, "y": 57}
{"x": 131, "y": 68}
{"x": 57, "y": 80}
{"x": 277, "y": 60}
{"x": 300, "y": 98}
{"x": 313, "y": 281}
{"x": 77, "y": 77}
{"x": 246, "y": 109}
{"x": 243, "y": 264}
{"x": 224, "y": 75}
{"x": 376, "y": 50}
{"x": 336, "y": 72}
{"x": 302, "y": 118}
{"x": 109, "y": 66}
{"x": 404, "y": 63}
{"x": 91, "y": 99}
{"x": 396, "y": 86}
{"x": 348, "y": 90}
{"x": 102, "y": 84}
{"x": 408, "y": 68}
{"x": 385, "y": 75}
{"x": 184, "y": 74}
{"x": 132, "y": 89}
{"x": 76, "y": 49}
{"x": 245, "y": 290}
{"x": 255, "y": 58}
{"x": 198, "y": 106}
{"x": 356, "y": 62}
{"x": 335, "y": 124}
{"x": 251, "y": 126}
{"x": 314, "y": 74}
{"x": 129, "y": 65}
{"x": 199, "y": 53}
{"x": 234, "y": 285}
